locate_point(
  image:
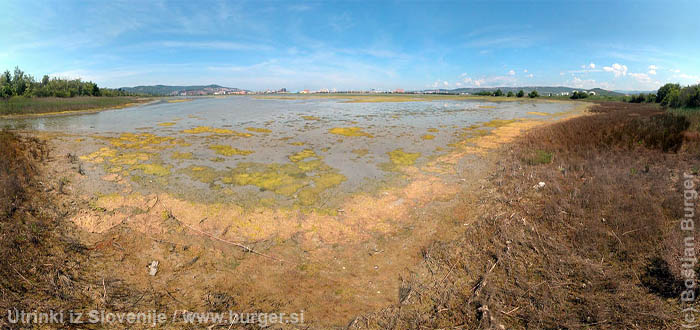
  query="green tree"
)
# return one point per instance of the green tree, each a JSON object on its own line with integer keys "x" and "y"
{"x": 510, "y": 94}
{"x": 665, "y": 90}
{"x": 533, "y": 94}
{"x": 521, "y": 93}
{"x": 498, "y": 92}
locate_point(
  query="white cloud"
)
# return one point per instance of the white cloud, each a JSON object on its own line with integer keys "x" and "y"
{"x": 641, "y": 77}
{"x": 530, "y": 75}
{"x": 511, "y": 72}
{"x": 464, "y": 74}
{"x": 591, "y": 65}
{"x": 617, "y": 69}
{"x": 445, "y": 83}
{"x": 458, "y": 84}
{"x": 652, "y": 69}
{"x": 525, "y": 70}
{"x": 687, "y": 77}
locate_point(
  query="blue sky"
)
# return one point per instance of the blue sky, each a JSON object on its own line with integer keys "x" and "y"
{"x": 634, "y": 45}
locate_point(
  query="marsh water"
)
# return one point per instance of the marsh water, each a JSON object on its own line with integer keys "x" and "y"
{"x": 284, "y": 150}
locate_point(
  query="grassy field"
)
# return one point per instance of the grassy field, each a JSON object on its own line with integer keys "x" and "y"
{"x": 28, "y": 106}
{"x": 594, "y": 245}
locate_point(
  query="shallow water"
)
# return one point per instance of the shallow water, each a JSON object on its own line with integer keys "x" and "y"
{"x": 214, "y": 141}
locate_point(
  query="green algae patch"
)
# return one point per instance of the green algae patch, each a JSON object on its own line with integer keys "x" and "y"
{"x": 153, "y": 169}
{"x": 399, "y": 157}
{"x": 181, "y": 155}
{"x": 259, "y": 130}
{"x": 498, "y": 123}
{"x": 310, "y": 118}
{"x": 301, "y": 155}
{"x": 166, "y": 124}
{"x": 349, "y": 131}
{"x": 214, "y": 130}
{"x": 229, "y": 150}
{"x": 360, "y": 152}
{"x": 427, "y": 137}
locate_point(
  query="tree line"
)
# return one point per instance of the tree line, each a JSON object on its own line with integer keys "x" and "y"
{"x": 672, "y": 96}
{"x": 499, "y": 92}
{"x": 19, "y": 83}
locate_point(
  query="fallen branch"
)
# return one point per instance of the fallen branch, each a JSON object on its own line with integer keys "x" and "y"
{"x": 247, "y": 249}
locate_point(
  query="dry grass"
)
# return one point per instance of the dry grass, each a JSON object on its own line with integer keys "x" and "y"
{"x": 41, "y": 266}
{"x": 597, "y": 246}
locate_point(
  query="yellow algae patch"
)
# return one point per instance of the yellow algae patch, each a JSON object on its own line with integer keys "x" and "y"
{"x": 301, "y": 155}
{"x": 498, "y": 123}
{"x": 114, "y": 169}
{"x": 229, "y": 150}
{"x": 427, "y": 137}
{"x": 487, "y": 107}
{"x": 209, "y": 129}
{"x": 202, "y": 173}
{"x": 259, "y": 130}
{"x": 310, "y": 118}
{"x": 130, "y": 158}
{"x": 99, "y": 155}
{"x": 282, "y": 179}
{"x": 142, "y": 140}
{"x": 170, "y": 123}
{"x": 539, "y": 113}
{"x": 297, "y": 143}
{"x": 349, "y": 131}
{"x": 360, "y": 152}
{"x": 153, "y": 169}
{"x": 401, "y": 158}
{"x": 181, "y": 155}
{"x": 179, "y": 100}
{"x": 433, "y": 130}
{"x": 309, "y": 165}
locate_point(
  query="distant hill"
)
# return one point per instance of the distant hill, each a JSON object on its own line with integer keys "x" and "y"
{"x": 635, "y": 92}
{"x": 175, "y": 90}
{"x": 540, "y": 89}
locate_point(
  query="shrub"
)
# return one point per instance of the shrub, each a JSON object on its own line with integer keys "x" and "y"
{"x": 664, "y": 90}
{"x": 533, "y": 94}
{"x": 510, "y": 94}
{"x": 521, "y": 93}
{"x": 579, "y": 95}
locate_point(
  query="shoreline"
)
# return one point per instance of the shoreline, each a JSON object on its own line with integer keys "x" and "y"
{"x": 78, "y": 112}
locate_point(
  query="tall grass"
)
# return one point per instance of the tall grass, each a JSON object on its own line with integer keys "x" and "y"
{"x": 596, "y": 247}
{"x": 35, "y": 105}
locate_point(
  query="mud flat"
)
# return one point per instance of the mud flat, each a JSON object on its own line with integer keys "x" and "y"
{"x": 277, "y": 205}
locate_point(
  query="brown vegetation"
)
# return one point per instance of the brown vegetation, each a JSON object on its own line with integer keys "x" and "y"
{"x": 596, "y": 246}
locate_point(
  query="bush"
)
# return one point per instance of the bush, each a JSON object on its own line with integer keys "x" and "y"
{"x": 510, "y": 94}
{"x": 579, "y": 95}
{"x": 533, "y": 94}
{"x": 521, "y": 93}
{"x": 664, "y": 90}
{"x": 498, "y": 93}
